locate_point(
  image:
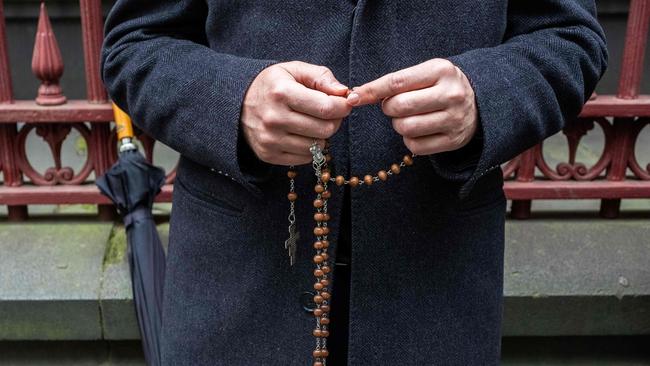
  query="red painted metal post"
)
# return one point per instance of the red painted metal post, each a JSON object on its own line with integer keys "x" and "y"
{"x": 636, "y": 38}
{"x": 520, "y": 209}
{"x": 47, "y": 63}
{"x": 8, "y": 131}
{"x": 92, "y": 31}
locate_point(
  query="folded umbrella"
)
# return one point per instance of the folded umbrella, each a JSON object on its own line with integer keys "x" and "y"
{"x": 132, "y": 184}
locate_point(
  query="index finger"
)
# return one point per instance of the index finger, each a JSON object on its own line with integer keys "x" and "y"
{"x": 415, "y": 77}
{"x": 317, "y": 104}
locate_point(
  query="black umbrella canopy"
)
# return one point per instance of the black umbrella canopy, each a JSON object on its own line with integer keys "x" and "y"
{"x": 132, "y": 184}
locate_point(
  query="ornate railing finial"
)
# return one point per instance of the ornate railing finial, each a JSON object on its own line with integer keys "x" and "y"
{"x": 47, "y": 63}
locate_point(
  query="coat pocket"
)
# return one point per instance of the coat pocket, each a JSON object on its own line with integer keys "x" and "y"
{"x": 208, "y": 200}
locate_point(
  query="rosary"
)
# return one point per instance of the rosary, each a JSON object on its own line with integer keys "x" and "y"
{"x": 320, "y": 158}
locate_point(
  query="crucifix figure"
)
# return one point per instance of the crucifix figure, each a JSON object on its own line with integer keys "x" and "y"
{"x": 290, "y": 243}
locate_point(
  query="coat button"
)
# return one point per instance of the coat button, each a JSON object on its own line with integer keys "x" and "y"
{"x": 307, "y": 301}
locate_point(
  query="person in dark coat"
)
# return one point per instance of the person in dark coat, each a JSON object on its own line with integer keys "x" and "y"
{"x": 242, "y": 88}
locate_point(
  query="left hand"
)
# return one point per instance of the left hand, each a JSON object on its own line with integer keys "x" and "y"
{"x": 432, "y": 105}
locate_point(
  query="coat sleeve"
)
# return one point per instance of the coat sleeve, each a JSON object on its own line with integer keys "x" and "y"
{"x": 526, "y": 88}
{"x": 158, "y": 67}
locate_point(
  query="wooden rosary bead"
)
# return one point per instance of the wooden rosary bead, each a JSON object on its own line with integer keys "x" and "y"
{"x": 326, "y": 217}
{"x": 292, "y": 196}
{"x": 318, "y": 245}
{"x": 318, "y": 231}
{"x": 383, "y": 176}
{"x": 318, "y": 299}
{"x": 395, "y": 168}
{"x": 367, "y": 179}
{"x": 318, "y": 258}
{"x": 291, "y": 174}
{"x": 324, "y": 352}
{"x": 319, "y": 216}
{"x": 318, "y": 312}
{"x": 318, "y": 363}
{"x": 326, "y": 194}
{"x": 340, "y": 180}
{"x": 354, "y": 181}
{"x": 325, "y": 308}
{"x": 325, "y": 282}
{"x": 325, "y": 176}
{"x": 325, "y": 230}
{"x": 324, "y": 333}
{"x": 318, "y": 286}
{"x": 318, "y": 203}
{"x": 318, "y": 272}
{"x": 325, "y": 295}
{"x": 325, "y": 269}
{"x": 408, "y": 160}
{"x": 325, "y": 321}
{"x": 317, "y": 353}
{"x": 326, "y": 243}
{"x": 319, "y": 188}
{"x": 325, "y": 256}
{"x": 318, "y": 333}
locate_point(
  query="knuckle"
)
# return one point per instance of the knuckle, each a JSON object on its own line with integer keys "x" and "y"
{"x": 456, "y": 95}
{"x": 396, "y": 81}
{"x": 278, "y": 91}
{"x": 403, "y": 105}
{"x": 269, "y": 117}
{"x": 326, "y": 110}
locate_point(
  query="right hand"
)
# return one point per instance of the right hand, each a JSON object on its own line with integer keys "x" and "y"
{"x": 287, "y": 107}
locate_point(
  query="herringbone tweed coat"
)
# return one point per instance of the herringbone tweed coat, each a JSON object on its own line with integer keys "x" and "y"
{"x": 427, "y": 246}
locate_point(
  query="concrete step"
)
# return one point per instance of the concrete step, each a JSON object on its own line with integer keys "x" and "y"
{"x": 564, "y": 276}
{"x": 521, "y": 351}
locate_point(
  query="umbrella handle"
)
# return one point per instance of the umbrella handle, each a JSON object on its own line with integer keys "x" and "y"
{"x": 124, "y": 128}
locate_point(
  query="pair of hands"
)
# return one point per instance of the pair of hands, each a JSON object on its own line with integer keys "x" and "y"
{"x": 291, "y": 104}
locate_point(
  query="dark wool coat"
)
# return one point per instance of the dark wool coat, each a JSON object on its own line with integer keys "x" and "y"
{"x": 427, "y": 246}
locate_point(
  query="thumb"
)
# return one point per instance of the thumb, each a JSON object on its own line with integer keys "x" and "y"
{"x": 316, "y": 77}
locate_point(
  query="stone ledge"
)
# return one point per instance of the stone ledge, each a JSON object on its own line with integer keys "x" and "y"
{"x": 69, "y": 280}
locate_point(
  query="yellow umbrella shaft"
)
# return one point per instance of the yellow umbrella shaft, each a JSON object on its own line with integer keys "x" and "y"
{"x": 123, "y": 123}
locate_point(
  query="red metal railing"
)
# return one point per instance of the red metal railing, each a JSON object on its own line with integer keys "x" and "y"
{"x": 616, "y": 175}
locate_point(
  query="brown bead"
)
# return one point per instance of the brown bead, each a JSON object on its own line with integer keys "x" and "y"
{"x": 325, "y": 176}
{"x": 319, "y": 188}
{"x": 318, "y": 203}
{"x": 318, "y": 272}
{"x": 382, "y": 175}
{"x": 318, "y": 231}
{"x": 326, "y": 230}
{"x": 326, "y": 243}
{"x": 325, "y": 308}
{"x": 408, "y": 160}
{"x": 318, "y": 312}
{"x": 395, "y": 168}
{"x": 318, "y": 259}
{"x": 326, "y": 217}
{"x": 367, "y": 179}
{"x": 318, "y": 299}
{"x": 319, "y": 216}
{"x": 325, "y": 282}
{"x": 325, "y": 321}
{"x": 318, "y": 245}
{"x": 324, "y": 333}
{"x": 325, "y": 295}
{"x": 325, "y": 256}
{"x": 291, "y": 174}
{"x": 354, "y": 181}
{"x": 318, "y": 333}
{"x": 325, "y": 269}
{"x": 318, "y": 286}
{"x": 318, "y": 363}
{"x": 326, "y": 194}
{"x": 317, "y": 353}
{"x": 324, "y": 352}
{"x": 292, "y": 196}
{"x": 340, "y": 180}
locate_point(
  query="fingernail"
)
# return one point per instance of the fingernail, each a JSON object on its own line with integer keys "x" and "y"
{"x": 353, "y": 98}
{"x": 338, "y": 85}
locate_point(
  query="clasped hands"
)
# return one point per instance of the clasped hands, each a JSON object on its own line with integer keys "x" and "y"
{"x": 289, "y": 105}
